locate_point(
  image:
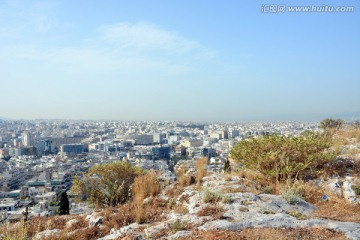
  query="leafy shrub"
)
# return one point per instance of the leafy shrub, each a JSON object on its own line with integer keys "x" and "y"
{"x": 281, "y": 157}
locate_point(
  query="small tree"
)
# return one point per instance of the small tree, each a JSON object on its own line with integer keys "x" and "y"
{"x": 107, "y": 184}
{"x": 329, "y": 123}
{"x": 63, "y": 204}
{"x": 227, "y": 167}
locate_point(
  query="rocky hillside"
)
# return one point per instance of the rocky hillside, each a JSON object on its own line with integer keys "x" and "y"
{"x": 226, "y": 206}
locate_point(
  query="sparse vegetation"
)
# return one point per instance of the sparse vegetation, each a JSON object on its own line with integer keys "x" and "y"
{"x": 178, "y": 226}
{"x": 211, "y": 210}
{"x": 297, "y": 215}
{"x": 266, "y": 211}
{"x": 356, "y": 189}
{"x": 226, "y": 198}
{"x": 211, "y": 197}
{"x": 291, "y": 193}
{"x": 268, "y": 189}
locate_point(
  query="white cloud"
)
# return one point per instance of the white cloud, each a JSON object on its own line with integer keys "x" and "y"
{"x": 148, "y": 37}
{"x": 139, "y": 50}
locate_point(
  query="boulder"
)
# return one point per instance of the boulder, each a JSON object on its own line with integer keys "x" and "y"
{"x": 95, "y": 221}
{"x": 47, "y": 234}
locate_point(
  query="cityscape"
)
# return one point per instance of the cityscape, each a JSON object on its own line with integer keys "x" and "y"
{"x": 40, "y": 157}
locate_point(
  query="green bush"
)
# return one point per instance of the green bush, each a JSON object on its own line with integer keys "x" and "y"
{"x": 285, "y": 157}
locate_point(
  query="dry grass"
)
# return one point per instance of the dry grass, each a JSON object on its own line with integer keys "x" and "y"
{"x": 228, "y": 177}
{"x": 352, "y": 132}
{"x": 186, "y": 180}
{"x": 214, "y": 211}
{"x": 18, "y": 232}
{"x": 144, "y": 186}
{"x": 250, "y": 174}
{"x": 336, "y": 208}
{"x": 346, "y": 136}
{"x": 268, "y": 234}
{"x": 180, "y": 208}
{"x": 201, "y": 169}
{"x": 174, "y": 190}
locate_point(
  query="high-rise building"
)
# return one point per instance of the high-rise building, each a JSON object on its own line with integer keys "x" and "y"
{"x": 159, "y": 138}
{"x": 161, "y": 152}
{"x": 75, "y": 148}
{"x": 26, "y": 139}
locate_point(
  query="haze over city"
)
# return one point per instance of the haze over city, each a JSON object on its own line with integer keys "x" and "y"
{"x": 177, "y": 60}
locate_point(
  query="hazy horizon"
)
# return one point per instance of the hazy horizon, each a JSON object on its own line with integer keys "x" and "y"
{"x": 178, "y": 60}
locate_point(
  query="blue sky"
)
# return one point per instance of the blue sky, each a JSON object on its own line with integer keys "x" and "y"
{"x": 177, "y": 60}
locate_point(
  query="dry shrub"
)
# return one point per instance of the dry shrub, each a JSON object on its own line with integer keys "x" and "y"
{"x": 174, "y": 190}
{"x": 340, "y": 167}
{"x": 184, "y": 178}
{"x": 179, "y": 226}
{"x": 211, "y": 210}
{"x": 85, "y": 233}
{"x": 144, "y": 186}
{"x": 80, "y": 223}
{"x": 211, "y": 197}
{"x": 119, "y": 216}
{"x": 352, "y": 132}
{"x": 180, "y": 208}
{"x": 201, "y": 169}
{"x": 228, "y": 177}
{"x": 254, "y": 176}
{"x": 17, "y": 232}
